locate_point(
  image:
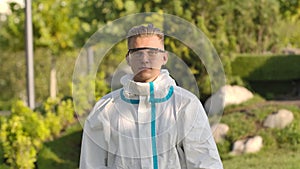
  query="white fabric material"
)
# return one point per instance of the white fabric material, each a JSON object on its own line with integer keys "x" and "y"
{"x": 117, "y": 134}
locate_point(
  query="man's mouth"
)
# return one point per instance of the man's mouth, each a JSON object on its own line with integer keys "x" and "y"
{"x": 142, "y": 68}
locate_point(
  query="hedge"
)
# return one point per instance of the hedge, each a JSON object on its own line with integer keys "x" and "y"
{"x": 24, "y": 131}
{"x": 267, "y": 67}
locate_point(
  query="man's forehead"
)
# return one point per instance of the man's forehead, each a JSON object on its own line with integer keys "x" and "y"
{"x": 149, "y": 41}
{"x": 148, "y": 38}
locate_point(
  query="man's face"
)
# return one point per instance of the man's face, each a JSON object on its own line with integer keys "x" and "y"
{"x": 146, "y": 58}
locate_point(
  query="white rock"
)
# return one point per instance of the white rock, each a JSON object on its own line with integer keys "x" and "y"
{"x": 249, "y": 145}
{"x": 219, "y": 131}
{"x": 238, "y": 147}
{"x": 227, "y": 95}
{"x": 279, "y": 120}
{"x": 254, "y": 144}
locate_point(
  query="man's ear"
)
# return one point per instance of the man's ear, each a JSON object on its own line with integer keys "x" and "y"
{"x": 165, "y": 58}
{"x": 127, "y": 59}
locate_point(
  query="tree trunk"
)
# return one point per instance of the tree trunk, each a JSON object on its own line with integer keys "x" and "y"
{"x": 260, "y": 44}
{"x": 53, "y": 80}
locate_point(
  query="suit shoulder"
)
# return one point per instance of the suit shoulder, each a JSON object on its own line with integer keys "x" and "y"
{"x": 184, "y": 94}
{"x": 104, "y": 103}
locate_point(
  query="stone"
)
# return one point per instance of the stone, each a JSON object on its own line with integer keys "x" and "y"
{"x": 227, "y": 95}
{"x": 249, "y": 145}
{"x": 238, "y": 147}
{"x": 280, "y": 119}
{"x": 291, "y": 51}
{"x": 254, "y": 144}
{"x": 219, "y": 131}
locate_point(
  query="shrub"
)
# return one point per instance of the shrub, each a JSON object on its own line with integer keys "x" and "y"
{"x": 22, "y": 134}
{"x": 24, "y": 131}
{"x": 87, "y": 90}
{"x": 58, "y": 115}
{"x": 267, "y": 67}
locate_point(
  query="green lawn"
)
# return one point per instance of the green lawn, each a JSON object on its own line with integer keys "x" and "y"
{"x": 271, "y": 159}
{"x": 62, "y": 152}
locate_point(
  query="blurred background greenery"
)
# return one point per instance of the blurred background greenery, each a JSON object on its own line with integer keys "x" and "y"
{"x": 257, "y": 41}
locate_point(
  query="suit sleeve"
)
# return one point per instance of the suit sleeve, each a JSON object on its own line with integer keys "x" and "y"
{"x": 198, "y": 144}
{"x": 94, "y": 144}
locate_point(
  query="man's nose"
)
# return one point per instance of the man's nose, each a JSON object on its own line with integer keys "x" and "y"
{"x": 144, "y": 58}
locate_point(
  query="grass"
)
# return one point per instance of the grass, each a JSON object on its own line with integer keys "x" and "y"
{"x": 270, "y": 159}
{"x": 62, "y": 152}
{"x": 280, "y": 146}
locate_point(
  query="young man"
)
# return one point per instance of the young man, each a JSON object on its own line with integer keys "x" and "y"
{"x": 150, "y": 123}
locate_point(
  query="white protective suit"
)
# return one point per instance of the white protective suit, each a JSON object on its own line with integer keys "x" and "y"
{"x": 155, "y": 125}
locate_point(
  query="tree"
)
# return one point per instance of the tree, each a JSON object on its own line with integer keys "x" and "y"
{"x": 55, "y": 27}
{"x": 12, "y": 29}
{"x": 290, "y": 9}
{"x": 289, "y": 28}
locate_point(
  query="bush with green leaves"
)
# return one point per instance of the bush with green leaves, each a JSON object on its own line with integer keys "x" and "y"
{"x": 22, "y": 134}
{"x": 58, "y": 115}
{"x": 266, "y": 67}
{"x": 24, "y": 131}
{"x": 87, "y": 90}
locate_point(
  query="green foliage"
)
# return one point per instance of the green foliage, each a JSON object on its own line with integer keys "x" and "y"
{"x": 101, "y": 86}
{"x": 236, "y": 26}
{"x": 12, "y": 79}
{"x": 267, "y": 67}
{"x": 13, "y": 71}
{"x": 290, "y": 9}
{"x": 58, "y": 115}
{"x": 86, "y": 86}
{"x": 60, "y": 26}
{"x": 51, "y": 31}
{"x": 11, "y": 32}
{"x": 290, "y": 135}
{"x": 24, "y": 131}
{"x": 22, "y": 134}
{"x": 289, "y": 34}
{"x": 232, "y": 26}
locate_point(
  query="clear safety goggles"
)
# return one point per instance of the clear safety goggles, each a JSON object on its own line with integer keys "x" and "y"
{"x": 142, "y": 53}
{"x": 143, "y": 58}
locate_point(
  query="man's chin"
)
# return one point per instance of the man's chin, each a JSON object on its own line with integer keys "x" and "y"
{"x": 144, "y": 75}
{"x": 144, "y": 72}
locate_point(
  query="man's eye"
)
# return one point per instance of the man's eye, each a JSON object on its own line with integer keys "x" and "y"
{"x": 138, "y": 54}
{"x": 152, "y": 53}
